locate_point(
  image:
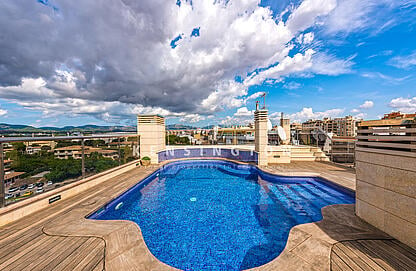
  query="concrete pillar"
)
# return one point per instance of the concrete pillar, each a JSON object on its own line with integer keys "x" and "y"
{"x": 152, "y": 130}
{"x": 260, "y": 137}
{"x": 285, "y": 123}
{"x": 235, "y": 137}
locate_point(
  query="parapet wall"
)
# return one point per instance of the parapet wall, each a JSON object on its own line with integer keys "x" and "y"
{"x": 229, "y": 153}
{"x": 26, "y": 207}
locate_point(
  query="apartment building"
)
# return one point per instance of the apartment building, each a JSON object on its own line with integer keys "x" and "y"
{"x": 76, "y": 152}
{"x": 50, "y": 144}
{"x": 346, "y": 126}
{"x": 10, "y": 176}
{"x": 398, "y": 115}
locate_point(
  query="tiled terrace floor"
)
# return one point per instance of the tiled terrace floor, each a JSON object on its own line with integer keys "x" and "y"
{"x": 60, "y": 238}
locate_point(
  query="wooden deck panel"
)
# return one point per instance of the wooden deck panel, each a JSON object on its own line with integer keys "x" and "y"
{"x": 23, "y": 245}
{"x": 369, "y": 255}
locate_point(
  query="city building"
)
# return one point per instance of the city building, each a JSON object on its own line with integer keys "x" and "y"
{"x": 33, "y": 149}
{"x": 398, "y": 115}
{"x": 235, "y": 135}
{"x": 50, "y": 144}
{"x": 10, "y": 176}
{"x": 346, "y": 126}
{"x": 76, "y": 152}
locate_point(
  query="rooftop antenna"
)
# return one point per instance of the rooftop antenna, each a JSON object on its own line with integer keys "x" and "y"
{"x": 257, "y": 105}
{"x": 264, "y": 100}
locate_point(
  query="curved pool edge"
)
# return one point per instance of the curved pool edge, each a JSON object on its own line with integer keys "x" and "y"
{"x": 309, "y": 245}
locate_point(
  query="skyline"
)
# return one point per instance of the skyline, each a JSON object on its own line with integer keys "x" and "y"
{"x": 102, "y": 63}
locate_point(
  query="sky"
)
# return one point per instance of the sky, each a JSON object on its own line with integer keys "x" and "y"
{"x": 204, "y": 62}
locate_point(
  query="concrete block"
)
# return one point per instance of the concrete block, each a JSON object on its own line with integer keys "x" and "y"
{"x": 401, "y": 229}
{"x": 371, "y": 194}
{"x": 370, "y": 214}
{"x": 400, "y": 205}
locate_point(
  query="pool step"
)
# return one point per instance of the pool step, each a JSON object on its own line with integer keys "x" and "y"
{"x": 297, "y": 153}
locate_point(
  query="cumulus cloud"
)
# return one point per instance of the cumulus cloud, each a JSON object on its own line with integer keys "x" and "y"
{"x": 118, "y": 55}
{"x": 406, "y": 105}
{"x": 244, "y": 112}
{"x": 360, "y": 116}
{"x": 307, "y": 113}
{"x": 3, "y": 112}
{"x": 242, "y": 116}
{"x": 367, "y": 105}
{"x": 192, "y": 118}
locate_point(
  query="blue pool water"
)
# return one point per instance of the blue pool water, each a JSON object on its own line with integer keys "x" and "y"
{"x": 217, "y": 215}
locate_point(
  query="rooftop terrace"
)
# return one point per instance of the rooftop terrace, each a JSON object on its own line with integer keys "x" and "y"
{"x": 60, "y": 238}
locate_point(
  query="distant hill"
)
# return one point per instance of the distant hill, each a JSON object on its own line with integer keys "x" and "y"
{"x": 15, "y": 128}
{"x": 179, "y": 127}
{"x": 8, "y": 128}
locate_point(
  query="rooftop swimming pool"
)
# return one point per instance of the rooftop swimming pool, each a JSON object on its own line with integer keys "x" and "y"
{"x": 218, "y": 215}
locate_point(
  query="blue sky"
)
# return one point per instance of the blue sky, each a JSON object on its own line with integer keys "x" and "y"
{"x": 313, "y": 58}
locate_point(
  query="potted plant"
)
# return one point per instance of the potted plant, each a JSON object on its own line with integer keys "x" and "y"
{"x": 145, "y": 161}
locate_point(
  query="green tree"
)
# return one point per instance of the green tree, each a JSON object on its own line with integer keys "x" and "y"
{"x": 20, "y": 147}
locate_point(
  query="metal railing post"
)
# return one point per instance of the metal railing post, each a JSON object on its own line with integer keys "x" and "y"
{"x": 332, "y": 151}
{"x": 119, "y": 152}
{"x": 138, "y": 147}
{"x": 2, "y": 184}
{"x": 83, "y": 158}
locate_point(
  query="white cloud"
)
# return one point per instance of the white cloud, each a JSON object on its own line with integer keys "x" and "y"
{"x": 192, "y": 118}
{"x": 30, "y": 88}
{"x": 306, "y": 38}
{"x": 357, "y": 15}
{"x": 196, "y": 77}
{"x": 254, "y": 96}
{"x": 244, "y": 112}
{"x": 349, "y": 16}
{"x": 305, "y": 15}
{"x": 3, "y": 112}
{"x": 404, "y": 62}
{"x": 360, "y": 116}
{"x": 367, "y": 105}
{"x": 297, "y": 63}
{"x": 386, "y": 78}
{"x": 355, "y": 110}
{"x": 307, "y": 113}
{"x": 242, "y": 116}
{"x": 229, "y": 94}
{"x": 292, "y": 85}
{"x": 406, "y": 105}
{"x": 330, "y": 65}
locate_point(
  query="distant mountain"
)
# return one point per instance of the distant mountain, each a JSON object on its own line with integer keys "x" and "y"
{"x": 18, "y": 128}
{"x": 12, "y": 128}
{"x": 4, "y": 128}
{"x": 211, "y": 126}
{"x": 179, "y": 127}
